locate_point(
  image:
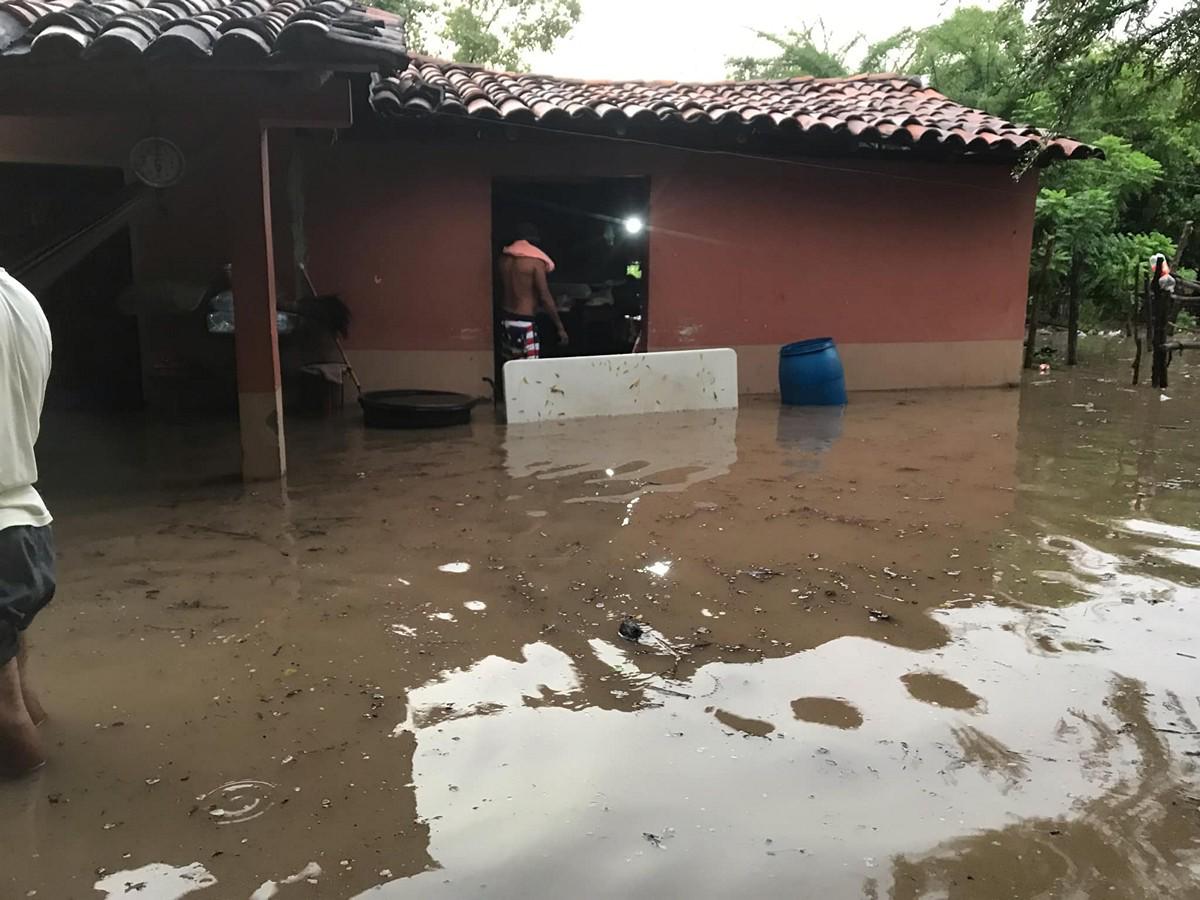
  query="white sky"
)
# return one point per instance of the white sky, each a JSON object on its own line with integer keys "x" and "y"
{"x": 689, "y": 40}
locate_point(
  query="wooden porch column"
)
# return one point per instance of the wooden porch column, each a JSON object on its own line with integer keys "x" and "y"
{"x": 256, "y": 339}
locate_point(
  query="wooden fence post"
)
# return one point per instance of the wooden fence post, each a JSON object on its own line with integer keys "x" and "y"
{"x": 1158, "y": 329}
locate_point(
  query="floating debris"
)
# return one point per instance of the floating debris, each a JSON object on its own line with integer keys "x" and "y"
{"x": 659, "y": 840}
{"x": 759, "y": 573}
{"x": 455, "y": 568}
{"x": 630, "y": 629}
{"x": 269, "y": 889}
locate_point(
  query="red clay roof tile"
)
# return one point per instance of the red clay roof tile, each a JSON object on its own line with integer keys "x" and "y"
{"x": 318, "y": 32}
{"x": 864, "y": 109}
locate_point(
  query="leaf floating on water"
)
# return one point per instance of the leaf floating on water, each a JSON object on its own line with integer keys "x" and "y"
{"x": 659, "y": 840}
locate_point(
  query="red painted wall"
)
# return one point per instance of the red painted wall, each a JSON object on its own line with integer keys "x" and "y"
{"x": 406, "y": 241}
{"x": 741, "y": 251}
{"x": 765, "y": 254}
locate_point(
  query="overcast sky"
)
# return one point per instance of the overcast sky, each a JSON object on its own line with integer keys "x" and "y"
{"x": 689, "y": 40}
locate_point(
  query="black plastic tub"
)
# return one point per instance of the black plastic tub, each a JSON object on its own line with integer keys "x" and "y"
{"x": 415, "y": 409}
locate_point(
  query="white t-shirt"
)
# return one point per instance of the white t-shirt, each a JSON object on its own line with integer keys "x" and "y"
{"x": 24, "y": 370}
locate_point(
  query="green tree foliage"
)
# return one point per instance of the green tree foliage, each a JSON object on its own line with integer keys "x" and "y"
{"x": 1102, "y": 71}
{"x": 973, "y": 56}
{"x": 1160, "y": 36}
{"x": 1086, "y": 207}
{"x": 484, "y": 32}
{"x": 1154, "y": 116}
{"x": 799, "y": 54}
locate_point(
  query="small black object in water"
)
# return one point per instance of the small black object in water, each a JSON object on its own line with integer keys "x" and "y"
{"x": 630, "y": 629}
{"x": 415, "y": 409}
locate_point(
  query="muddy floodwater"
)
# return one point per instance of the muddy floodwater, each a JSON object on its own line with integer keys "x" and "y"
{"x": 941, "y": 644}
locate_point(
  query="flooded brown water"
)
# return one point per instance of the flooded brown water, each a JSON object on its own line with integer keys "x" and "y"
{"x": 941, "y": 645}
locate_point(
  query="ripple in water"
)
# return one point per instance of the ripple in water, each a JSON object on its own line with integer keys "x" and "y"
{"x": 239, "y": 801}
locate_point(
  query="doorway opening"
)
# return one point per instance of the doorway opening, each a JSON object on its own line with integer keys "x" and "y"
{"x": 97, "y": 348}
{"x": 596, "y": 232}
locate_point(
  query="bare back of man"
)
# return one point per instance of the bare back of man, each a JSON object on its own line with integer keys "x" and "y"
{"x": 526, "y": 289}
{"x": 525, "y": 285}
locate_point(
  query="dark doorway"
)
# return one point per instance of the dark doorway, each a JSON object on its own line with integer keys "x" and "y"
{"x": 97, "y": 358}
{"x": 595, "y": 230}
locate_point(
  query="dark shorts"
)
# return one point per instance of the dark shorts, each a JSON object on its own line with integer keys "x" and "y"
{"x": 27, "y": 581}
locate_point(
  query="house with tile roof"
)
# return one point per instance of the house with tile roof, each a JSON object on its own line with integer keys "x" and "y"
{"x": 266, "y": 134}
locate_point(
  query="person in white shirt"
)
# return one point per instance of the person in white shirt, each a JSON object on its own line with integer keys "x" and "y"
{"x": 27, "y": 562}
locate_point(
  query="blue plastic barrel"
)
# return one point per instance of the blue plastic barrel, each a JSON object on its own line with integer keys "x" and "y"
{"x": 810, "y": 374}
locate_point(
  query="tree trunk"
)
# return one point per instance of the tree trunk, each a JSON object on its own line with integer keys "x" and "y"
{"x": 1039, "y": 288}
{"x": 1073, "y": 309}
{"x": 1182, "y": 245}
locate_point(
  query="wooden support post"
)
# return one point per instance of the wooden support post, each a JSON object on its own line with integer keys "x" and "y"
{"x": 1158, "y": 329}
{"x": 1073, "y": 308}
{"x": 260, "y": 397}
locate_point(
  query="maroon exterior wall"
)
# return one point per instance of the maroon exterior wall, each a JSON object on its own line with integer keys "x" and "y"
{"x": 888, "y": 258}
{"x": 917, "y": 269}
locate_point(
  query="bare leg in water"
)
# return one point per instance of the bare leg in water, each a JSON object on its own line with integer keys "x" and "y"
{"x": 20, "y": 744}
{"x": 33, "y": 704}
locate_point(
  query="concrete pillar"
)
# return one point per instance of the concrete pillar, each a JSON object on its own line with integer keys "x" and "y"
{"x": 256, "y": 339}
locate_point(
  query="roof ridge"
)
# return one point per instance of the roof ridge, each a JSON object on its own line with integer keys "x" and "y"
{"x": 419, "y": 59}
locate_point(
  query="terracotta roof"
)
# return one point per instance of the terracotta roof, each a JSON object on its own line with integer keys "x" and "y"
{"x": 863, "y": 110}
{"x": 317, "y": 32}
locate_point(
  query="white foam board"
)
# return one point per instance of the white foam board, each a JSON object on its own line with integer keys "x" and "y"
{"x": 539, "y": 390}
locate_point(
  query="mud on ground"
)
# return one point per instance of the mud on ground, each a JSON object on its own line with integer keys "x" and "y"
{"x": 941, "y": 645}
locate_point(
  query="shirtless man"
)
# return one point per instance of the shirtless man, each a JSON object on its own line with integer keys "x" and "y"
{"x": 523, "y": 270}
{"x": 26, "y": 541}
